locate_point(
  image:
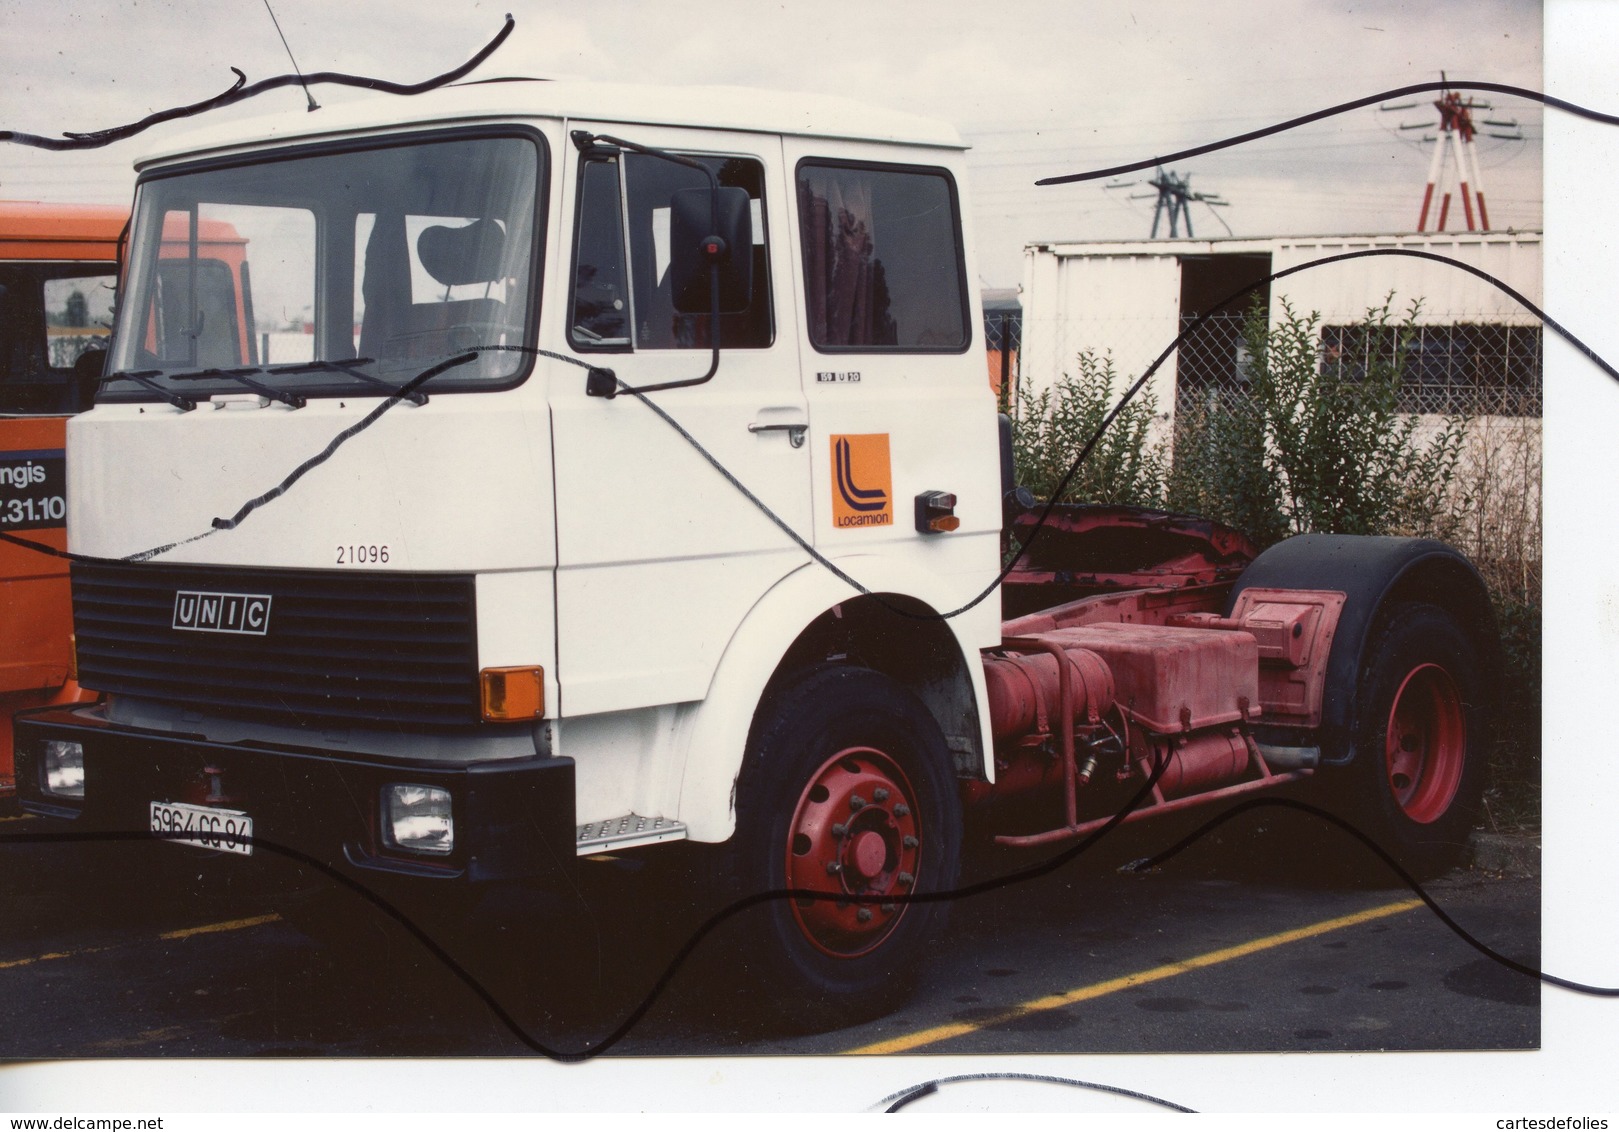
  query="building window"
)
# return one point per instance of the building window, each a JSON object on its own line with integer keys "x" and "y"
{"x": 1472, "y": 368}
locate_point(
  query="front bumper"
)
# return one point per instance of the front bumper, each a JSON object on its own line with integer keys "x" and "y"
{"x": 322, "y": 810}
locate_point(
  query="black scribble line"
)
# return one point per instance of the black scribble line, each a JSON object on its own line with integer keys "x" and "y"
{"x": 1107, "y": 421}
{"x": 1406, "y": 878}
{"x": 401, "y": 394}
{"x": 893, "y": 1102}
{"x": 1342, "y": 108}
{"x": 593, "y": 1050}
{"x": 241, "y": 90}
{"x": 406, "y": 391}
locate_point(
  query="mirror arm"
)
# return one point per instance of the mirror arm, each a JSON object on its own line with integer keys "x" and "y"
{"x": 608, "y": 386}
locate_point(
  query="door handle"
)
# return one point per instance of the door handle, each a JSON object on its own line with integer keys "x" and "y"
{"x": 795, "y": 432}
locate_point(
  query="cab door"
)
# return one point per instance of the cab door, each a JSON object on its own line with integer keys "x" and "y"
{"x": 660, "y": 556}
{"x": 904, "y": 439}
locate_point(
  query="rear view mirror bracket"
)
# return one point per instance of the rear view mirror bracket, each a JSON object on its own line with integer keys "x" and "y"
{"x": 712, "y": 249}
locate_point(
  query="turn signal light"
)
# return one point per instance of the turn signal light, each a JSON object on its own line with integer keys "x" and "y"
{"x": 936, "y": 513}
{"x": 508, "y": 694}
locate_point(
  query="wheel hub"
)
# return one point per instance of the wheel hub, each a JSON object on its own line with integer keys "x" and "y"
{"x": 1425, "y": 749}
{"x": 854, "y": 833}
{"x": 866, "y": 854}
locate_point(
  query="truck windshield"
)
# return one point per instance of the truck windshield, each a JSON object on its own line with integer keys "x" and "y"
{"x": 388, "y": 259}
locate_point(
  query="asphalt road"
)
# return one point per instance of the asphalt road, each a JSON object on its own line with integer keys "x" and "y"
{"x": 1233, "y": 946}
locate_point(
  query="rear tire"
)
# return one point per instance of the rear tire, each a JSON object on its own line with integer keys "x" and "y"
{"x": 847, "y": 788}
{"x": 1421, "y": 739}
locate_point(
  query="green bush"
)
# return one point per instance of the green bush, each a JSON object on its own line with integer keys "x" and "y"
{"x": 1317, "y": 442}
{"x": 1127, "y": 465}
{"x": 1221, "y": 471}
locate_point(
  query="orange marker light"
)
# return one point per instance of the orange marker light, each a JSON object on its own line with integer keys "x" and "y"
{"x": 512, "y": 693}
{"x": 936, "y": 513}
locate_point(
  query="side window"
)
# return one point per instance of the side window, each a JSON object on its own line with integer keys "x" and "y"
{"x": 883, "y": 266}
{"x": 601, "y": 306}
{"x": 624, "y": 299}
{"x": 50, "y": 314}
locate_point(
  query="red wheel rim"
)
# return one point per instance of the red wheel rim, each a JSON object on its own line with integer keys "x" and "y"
{"x": 1426, "y": 745}
{"x": 855, "y": 831}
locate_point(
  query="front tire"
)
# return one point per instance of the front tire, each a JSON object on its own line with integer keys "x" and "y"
{"x": 847, "y": 789}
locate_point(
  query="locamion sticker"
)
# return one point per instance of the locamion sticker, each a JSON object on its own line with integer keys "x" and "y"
{"x": 862, "y": 484}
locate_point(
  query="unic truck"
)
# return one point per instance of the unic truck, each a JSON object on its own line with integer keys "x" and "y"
{"x": 634, "y": 486}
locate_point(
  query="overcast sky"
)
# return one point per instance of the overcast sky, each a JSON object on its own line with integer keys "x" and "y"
{"x": 1037, "y": 87}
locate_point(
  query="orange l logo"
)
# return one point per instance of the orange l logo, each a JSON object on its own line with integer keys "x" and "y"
{"x": 862, "y": 484}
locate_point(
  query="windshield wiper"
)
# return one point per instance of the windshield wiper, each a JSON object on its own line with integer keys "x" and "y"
{"x": 349, "y": 366}
{"x": 143, "y": 377}
{"x": 240, "y": 376}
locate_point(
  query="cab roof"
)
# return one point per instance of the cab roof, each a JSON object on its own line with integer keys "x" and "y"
{"x": 37, "y": 230}
{"x": 712, "y": 107}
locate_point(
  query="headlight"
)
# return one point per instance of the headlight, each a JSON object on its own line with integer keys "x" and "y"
{"x": 418, "y": 818}
{"x": 64, "y": 768}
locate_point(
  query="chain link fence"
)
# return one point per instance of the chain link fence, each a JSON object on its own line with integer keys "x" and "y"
{"x": 1451, "y": 369}
{"x": 1459, "y": 367}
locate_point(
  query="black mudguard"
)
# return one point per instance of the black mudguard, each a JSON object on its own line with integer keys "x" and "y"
{"x": 1374, "y": 573}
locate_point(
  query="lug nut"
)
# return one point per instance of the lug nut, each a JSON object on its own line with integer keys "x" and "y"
{"x": 833, "y": 868}
{"x": 907, "y": 879}
{"x": 857, "y": 803}
{"x": 902, "y": 811}
{"x": 839, "y": 829}
{"x": 863, "y": 915}
{"x": 880, "y": 794}
{"x": 910, "y": 842}
{"x": 888, "y": 909}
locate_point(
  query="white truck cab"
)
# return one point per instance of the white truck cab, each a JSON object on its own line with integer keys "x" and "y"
{"x": 504, "y": 578}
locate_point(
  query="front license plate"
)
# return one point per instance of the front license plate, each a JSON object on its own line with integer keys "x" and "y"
{"x": 230, "y": 831}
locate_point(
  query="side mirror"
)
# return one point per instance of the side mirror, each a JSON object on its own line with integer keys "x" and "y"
{"x": 87, "y": 372}
{"x": 695, "y": 245}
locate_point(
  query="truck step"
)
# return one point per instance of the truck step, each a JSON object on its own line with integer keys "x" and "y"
{"x": 626, "y": 832}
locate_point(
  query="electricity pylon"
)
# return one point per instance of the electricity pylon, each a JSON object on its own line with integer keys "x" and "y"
{"x": 1175, "y": 199}
{"x": 1456, "y": 134}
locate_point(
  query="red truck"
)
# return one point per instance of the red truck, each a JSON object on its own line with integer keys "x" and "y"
{"x": 57, "y": 272}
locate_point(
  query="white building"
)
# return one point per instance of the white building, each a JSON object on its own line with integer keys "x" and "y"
{"x": 1131, "y": 299}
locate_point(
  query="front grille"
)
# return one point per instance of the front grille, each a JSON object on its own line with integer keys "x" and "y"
{"x": 390, "y": 647}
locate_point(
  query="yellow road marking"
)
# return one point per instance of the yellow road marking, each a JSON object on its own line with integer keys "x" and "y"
{"x": 49, "y": 955}
{"x": 222, "y": 926}
{"x": 1112, "y": 986}
{"x": 17, "y": 817}
{"x": 169, "y": 1033}
{"x": 183, "y": 933}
